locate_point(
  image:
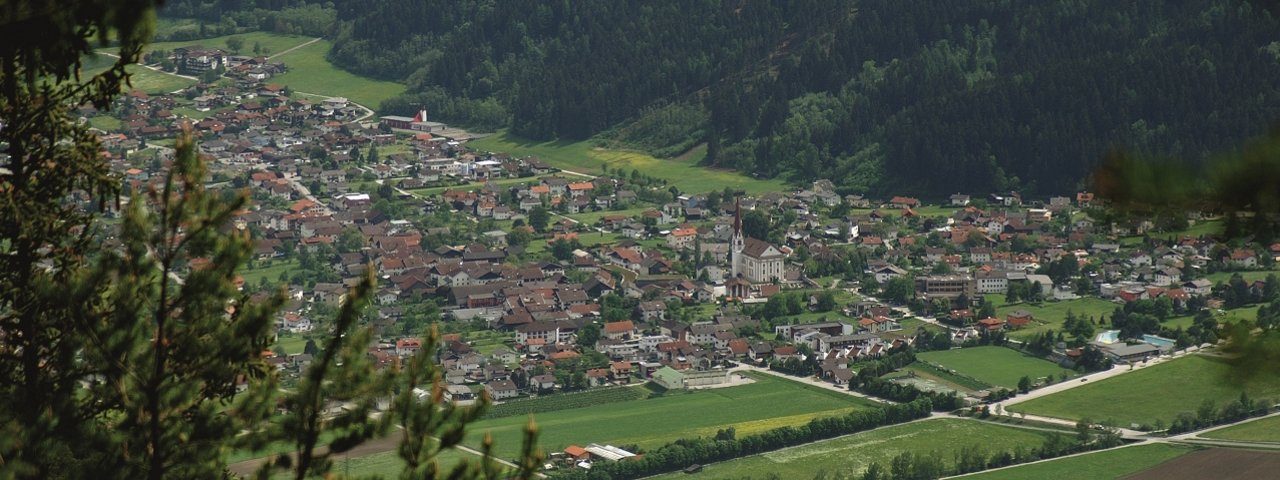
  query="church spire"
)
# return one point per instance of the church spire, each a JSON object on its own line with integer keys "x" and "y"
{"x": 737, "y": 215}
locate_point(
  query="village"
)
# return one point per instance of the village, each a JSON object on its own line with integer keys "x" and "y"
{"x": 544, "y": 281}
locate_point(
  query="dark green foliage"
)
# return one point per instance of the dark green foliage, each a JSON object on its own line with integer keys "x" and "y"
{"x": 900, "y": 96}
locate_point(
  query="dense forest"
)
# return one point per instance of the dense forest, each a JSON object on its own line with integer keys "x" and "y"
{"x": 901, "y": 96}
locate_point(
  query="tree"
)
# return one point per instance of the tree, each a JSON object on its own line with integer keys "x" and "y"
{"x": 538, "y": 218}
{"x": 900, "y": 289}
{"x": 588, "y": 336}
{"x": 49, "y": 426}
{"x": 1024, "y": 384}
{"x": 127, "y": 362}
{"x": 235, "y": 44}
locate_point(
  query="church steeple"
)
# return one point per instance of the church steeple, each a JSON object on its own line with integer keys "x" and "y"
{"x": 738, "y": 242}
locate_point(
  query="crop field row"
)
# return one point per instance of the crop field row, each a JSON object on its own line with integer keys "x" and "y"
{"x": 850, "y": 455}
{"x": 655, "y": 421}
{"x": 551, "y": 403}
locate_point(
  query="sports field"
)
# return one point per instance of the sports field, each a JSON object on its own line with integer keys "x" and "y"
{"x": 770, "y": 402}
{"x": 1107, "y": 464}
{"x": 1263, "y": 430}
{"x": 851, "y": 455}
{"x": 997, "y": 366}
{"x": 583, "y": 157}
{"x": 1159, "y": 392}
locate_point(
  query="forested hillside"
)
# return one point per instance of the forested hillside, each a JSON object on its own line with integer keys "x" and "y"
{"x": 909, "y": 96}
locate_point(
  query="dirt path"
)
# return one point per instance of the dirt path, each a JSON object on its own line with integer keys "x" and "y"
{"x": 295, "y": 47}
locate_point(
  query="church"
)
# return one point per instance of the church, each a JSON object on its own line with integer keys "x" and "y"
{"x": 753, "y": 259}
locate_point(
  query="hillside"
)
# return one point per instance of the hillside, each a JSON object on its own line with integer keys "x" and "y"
{"x": 882, "y": 96}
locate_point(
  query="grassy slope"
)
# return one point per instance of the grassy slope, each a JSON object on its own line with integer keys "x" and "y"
{"x": 768, "y": 403}
{"x": 144, "y": 79}
{"x": 1107, "y": 464}
{"x": 1264, "y": 430}
{"x": 310, "y": 72}
{"x": 997, "y": 366}
{"x": 1160, "y": 392}
{"x": 850, "y": 455}
{"x": 1051, "y": 315}
{"x": 272, "y": 42}
{"x": 582, "y": 157}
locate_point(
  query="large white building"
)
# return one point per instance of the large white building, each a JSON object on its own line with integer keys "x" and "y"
{"x": 756, "y": 260}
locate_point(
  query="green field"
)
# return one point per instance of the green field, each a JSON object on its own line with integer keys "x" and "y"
{"x": 385, "y": 464}
{"x": 852, "y": 454}
{"x": 1159, "y": 392}
{"x": 1107, "y": 464}
{"x": 1248, "y": 276}
{"x": 310, "y": 72}
{"x": 582, "y": 157}
{"x": 292, "y": 344}
{"x": 271, "y": 272}
{"x": 141, "y": 78}
{"x": 1262, "y": 430}
{"x": 1051, "y": 315}
{"x": 591, "y": 218}
{"x": 997, "y": 366}
{"x": 272, "y": 43}
{"x": 770, "y": 402}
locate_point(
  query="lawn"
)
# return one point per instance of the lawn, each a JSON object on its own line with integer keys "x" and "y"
{"x": 768, "y": 403}
{"x": 583, "y": 157}
{"x": 1106, "y": 464}
{"x": 998, "y": 366}
{"x": 270, "y": 271}
{"x": 1249, "y": 313}
{"x": 851, "y": 455}
{"x": 590, "y": 218}
{"x": 1159, "y": 392}
{"x": 292, "y": 344}
{"x": 1051, "y": 315}
{"x": 1248, "y": 276}
{"x": 1263, "y": 430}
{"x": 310, "y": 72}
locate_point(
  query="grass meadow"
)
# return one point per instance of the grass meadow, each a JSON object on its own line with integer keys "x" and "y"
{"x": 1106, "y": 464}
{"x": 310, "y": 72}
{"x": 1262, "y": 430}
{"x": 852, "y": 454}
{"x": 1154, "y": 393}
{"x": 997, "y": 366}
{"x": 1050, "y": 315}
{"x": 583, "y": 157}
{"x": 768, "y": 403}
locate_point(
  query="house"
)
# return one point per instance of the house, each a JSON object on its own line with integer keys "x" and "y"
{"x": 542, "y": 383}
{"x": 959, "y": 200}
{"x": 1018, "y": 319}
{"x": 652, "y": 311}
{"x": 682, "y": 238}
{"x": 622, "y": 330}
{"x": 502, "y": 389}
{"x": 904, "y": 202}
